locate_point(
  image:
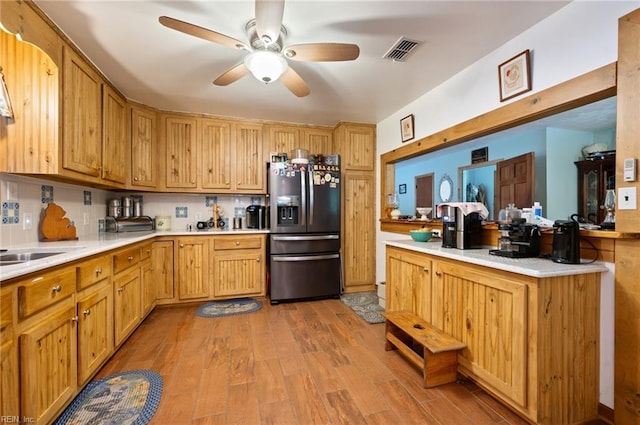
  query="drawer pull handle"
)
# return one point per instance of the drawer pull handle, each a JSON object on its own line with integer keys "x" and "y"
{"x": 425, "y": 269}
{"x": 130, "y": 257}
{"x": 74, "y": 319}
{"x": 57, "y": 288}
{"x": 438, "y": 274}
{"x": 120, "y": 289}
{"x": 237, "y": 243}
{"x": 86, "y": 312}
{"x": 99, "y": 270}
{"x": 181, "y": 245}
{"x": 135, "y": 179}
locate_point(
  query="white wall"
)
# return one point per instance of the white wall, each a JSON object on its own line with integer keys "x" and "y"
{"x": 577, "y": 39}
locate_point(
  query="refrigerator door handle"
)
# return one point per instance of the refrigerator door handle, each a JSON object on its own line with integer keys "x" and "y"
{"x": 310, "y": 197}
{"x": 305, "y": 238}
{"x": 305, "y": 257}
{"x": 303, "y": 193}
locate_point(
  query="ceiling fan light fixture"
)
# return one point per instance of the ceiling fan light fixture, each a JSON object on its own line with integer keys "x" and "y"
{"x": 266, "y": 66}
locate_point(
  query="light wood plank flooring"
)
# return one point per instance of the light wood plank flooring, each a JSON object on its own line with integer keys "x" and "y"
{"x": 313, "y": 362}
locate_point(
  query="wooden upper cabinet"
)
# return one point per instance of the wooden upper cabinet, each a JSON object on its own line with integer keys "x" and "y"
{"x": 356, "y": 143}
{"x": 250, "y": 163}
{"x": 114, "y": 136}
{"x": 181, "y": 152}
{"x": 318, "y": 140}
{"x": 215, "y": 152}
{"x": 283, "y": 138}
{"x": 144, "y": 145}
{"x": 82, "y": 107}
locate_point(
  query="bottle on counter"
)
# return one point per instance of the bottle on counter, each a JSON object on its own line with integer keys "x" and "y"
{"x": 537, "y": 209}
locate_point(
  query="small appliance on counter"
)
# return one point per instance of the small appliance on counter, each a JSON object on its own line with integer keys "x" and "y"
{"x": 566, "y": 242}
{"x": 256, "y": 217}
{"x": 518, "y": 239}
{"x": 128, "y": 224}
{"x": 460, "y": 230}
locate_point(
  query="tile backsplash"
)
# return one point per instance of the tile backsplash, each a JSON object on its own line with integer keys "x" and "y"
{"x": 87, "y": 207}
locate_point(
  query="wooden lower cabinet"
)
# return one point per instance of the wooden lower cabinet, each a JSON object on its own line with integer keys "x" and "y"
{"x": 9, "y": 377}
{"x": 147, "y": 283}
{"x": 48, "y": 366}
{"x": 531, "y": 342}
{"x": 127, "y": 303}
{"x": 95, "y": 329}
{"x": 192, "y": 267}
{"x": 239, "y": 266}
{"x": 162, "y": 269}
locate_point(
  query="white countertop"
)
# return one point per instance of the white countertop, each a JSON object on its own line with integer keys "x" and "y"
{"x": 535, "y": 267}
{"x": 85, "y": 247}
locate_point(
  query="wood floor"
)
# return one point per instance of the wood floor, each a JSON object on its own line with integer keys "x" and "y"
{"x": 312, "y": 362}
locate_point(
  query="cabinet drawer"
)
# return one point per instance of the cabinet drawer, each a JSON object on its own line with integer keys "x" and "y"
{"x": 45, "y": 290}
{"x": 242, "y": 242}
{"x": 93, "y": 271}
{"x": 124, "y": 259}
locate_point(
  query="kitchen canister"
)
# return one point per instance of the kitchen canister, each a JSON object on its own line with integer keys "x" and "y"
{"x": 163, "y": 222}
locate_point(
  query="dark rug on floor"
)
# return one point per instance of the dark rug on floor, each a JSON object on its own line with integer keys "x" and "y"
{"x": 127, "y": 398}
{"x": 365, "y": 304}
{"x": 229, "y": 307}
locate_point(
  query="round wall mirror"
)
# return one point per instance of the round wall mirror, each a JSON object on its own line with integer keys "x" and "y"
{"x": 446, "y": 188}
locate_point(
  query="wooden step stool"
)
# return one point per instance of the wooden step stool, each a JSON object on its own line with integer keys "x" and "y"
{"x": 439, "y": 361}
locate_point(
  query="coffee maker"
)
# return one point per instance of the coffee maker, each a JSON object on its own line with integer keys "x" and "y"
{"x": 518, "y": 239}
{"x": 256, "y": 217}
{"x": 459, "y": 230}
{"x": 566, "y": 242}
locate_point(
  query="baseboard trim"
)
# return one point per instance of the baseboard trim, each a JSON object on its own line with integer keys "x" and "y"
{"x": 605, "y": 413}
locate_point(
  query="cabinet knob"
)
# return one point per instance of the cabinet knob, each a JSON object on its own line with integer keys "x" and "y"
{"x": 438, "y": 274}
{"x": 193, "y": 182}
{"x": 425, "y": 269}
{"x": 181, "y": 245}
{"x": 258, "y": 260}
{"x": 120, "y": 289}
{"x": 99, "y": 270}
{"x": 57, "y": 288}
{"x": 148, "y": 251}
{"x": 86, "y": 312}
{"x": 237, "y": 243}
{"x": 135, "y": 179}
{"x": 74, "y": 319}
{"x": 130, "y": 258}
{"x": 108, "y": 171}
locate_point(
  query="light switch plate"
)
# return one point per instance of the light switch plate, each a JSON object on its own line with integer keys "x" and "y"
{"x": 627, "y": 199}
{"x": 27, "y": 221}
{"x": 12, "y": 191}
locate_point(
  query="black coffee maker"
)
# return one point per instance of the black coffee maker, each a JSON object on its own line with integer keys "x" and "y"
{"x": 518, "y": 239}
{"x": 566, "y": 242}
{"x": 459, "y": 230}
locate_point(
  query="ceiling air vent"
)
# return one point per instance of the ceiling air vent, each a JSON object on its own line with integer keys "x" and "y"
{"x": 399, "y": 51}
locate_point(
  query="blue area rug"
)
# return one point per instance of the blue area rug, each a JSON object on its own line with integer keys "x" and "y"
{"x": 127, "y": 398}
{"x": 366, "y": 305}
{"x": 229, "y": 307}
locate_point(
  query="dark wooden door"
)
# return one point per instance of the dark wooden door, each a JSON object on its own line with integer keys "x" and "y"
{"x": 424, "y": 192}
{"x": 515, "y": 182}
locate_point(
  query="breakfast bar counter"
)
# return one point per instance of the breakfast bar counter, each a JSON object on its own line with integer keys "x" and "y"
{"x": 531, "y": 326}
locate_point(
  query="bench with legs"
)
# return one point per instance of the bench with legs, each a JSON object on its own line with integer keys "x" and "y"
{"x": 439, "y": 360}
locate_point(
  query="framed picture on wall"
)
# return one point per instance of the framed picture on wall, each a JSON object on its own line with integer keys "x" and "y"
{"x": 5, "y": 105}
{"x": 406, "y": 127}
{"x": 515, "y": 76}
{"x": 402, "y": 189}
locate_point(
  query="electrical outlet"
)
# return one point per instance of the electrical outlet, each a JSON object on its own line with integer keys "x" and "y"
{"x": 435, "y": 233}
{"x": 85, "y": 218}
{"x": 627, "y": 198}
{"x": 27, "y": 221}
{"x": 12, "y": 191}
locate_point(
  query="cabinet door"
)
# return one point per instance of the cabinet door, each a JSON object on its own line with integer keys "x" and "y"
{"x": 127, "y": 303}
{"x": 358, "y": 230}
{"x": 283, "y": 139}
{"x": 162, "y": 267}
{"x": 239, "y": 274}
{"x": 48, "y": 374}
{"x": 215, "y": 141}
{"x": 143, "y": 147}
{"x": 82, "y": 132}
{"x": 114, "y": 136}
{"x": 408, "y": 282}
{"x": 318, "y": 140}
{"x": 148, "y": 286}
{"x": 9, "y": 384}
{"x": 357, "y": 145}
{"x": 192, "y": 272}
{"x": 488, "y": 312}
{"x": 250, "y": 166}
{"x": 181, "y": 152}
{"x": 95, "y": 329}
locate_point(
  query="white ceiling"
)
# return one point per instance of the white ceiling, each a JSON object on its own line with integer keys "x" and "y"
{"x": 169, "y": 70}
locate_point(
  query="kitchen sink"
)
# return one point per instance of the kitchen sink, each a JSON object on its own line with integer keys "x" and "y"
{"x": 22, "y": 257}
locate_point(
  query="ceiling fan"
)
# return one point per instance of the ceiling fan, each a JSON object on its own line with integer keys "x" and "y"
{"x": 267, "y": 57}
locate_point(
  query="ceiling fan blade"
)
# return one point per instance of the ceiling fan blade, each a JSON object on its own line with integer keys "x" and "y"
{"x": 269, "y": 19}
{"x": 203, "y": 33}
{"x": 231, "y": 75}
{"x": 295, "y": 83}
{"x": 322, "y": 52}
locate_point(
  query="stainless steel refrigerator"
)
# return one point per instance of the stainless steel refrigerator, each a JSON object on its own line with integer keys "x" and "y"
{"x": 304, "y": 242}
